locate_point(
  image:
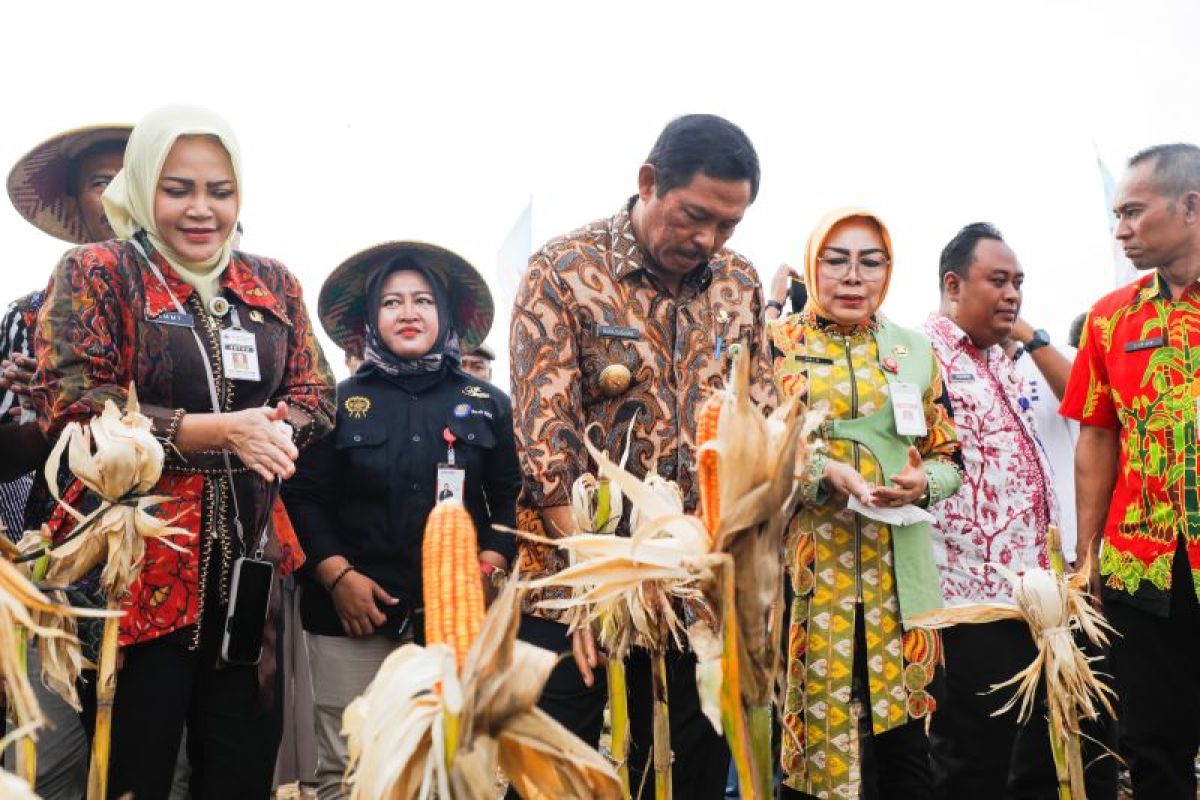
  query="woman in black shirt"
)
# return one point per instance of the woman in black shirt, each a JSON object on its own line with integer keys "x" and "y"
{"x": 412, "y": 430}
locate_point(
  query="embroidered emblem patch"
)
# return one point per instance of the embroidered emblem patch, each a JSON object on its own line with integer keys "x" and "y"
{"x": 475, "y": 391}
{"x": 462, "y": 410}
{"x": 357, "y": 406}
{"x": 256, "y": 315}
{"x": 900, "y": 351}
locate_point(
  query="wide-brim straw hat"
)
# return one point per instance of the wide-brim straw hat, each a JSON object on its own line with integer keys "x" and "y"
{"x": 37, "y": 184}
{"x": 341, "y": 305}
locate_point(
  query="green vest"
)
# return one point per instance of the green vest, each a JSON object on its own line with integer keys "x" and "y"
{"x": 918, "y": 583}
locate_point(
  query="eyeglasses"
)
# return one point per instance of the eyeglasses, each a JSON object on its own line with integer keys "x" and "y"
{"x": 872, "y": 268}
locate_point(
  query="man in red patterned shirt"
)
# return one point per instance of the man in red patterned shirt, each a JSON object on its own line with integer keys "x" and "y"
{"x": 1135, "y": 388}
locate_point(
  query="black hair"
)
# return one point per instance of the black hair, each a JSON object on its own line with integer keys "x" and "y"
{"x": 94, "y": 149}
{"x": 703, "y": 143}
{"x": 959, "y": 253}
{"x": 1075, "y": 333}
{"x": 1176, "y": 167}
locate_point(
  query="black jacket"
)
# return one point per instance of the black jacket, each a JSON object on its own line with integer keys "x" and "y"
{"x": 365, "y": 490}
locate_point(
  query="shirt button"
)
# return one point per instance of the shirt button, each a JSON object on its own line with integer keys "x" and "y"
{"x": 471, "y": 436}
{"x": 415, "y": 487}
{"x": 357, "y": 438}
{"x": 416, "y": 437}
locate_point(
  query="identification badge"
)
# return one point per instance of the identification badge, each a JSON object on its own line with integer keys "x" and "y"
{"x": 239, "y": 355}
{"x": 1146, "y": 344}
{"x": 450, "y": 482}
{"x": 906, "y": 404}
{"x": 961, "y": 377}
{"x": 175, "y": 318}
{"x": 618, "y": 332}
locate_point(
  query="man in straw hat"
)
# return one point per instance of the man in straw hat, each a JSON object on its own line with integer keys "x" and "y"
{"x": 56, "y": 187}
{"x": 629, "y": 321}
{"x": 1135, "y": 389}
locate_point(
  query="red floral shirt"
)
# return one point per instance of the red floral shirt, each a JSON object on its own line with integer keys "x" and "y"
{"x": 108, "y": 322}
{"x": 1138, "y": 372}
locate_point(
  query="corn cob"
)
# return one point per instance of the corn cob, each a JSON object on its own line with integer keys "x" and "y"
{"x": 453, "y": 590}
{"x": 707, "y": 464}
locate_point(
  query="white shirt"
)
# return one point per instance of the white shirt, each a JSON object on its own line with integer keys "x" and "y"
{"x": 1057, "y": 435}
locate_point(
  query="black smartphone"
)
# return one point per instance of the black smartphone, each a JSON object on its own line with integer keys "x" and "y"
{"x": 798, "y": 294}
{"x": 249, "y": 598}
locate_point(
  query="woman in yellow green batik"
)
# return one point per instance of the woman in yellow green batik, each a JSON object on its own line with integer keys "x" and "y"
{"x": 857, "y": 680}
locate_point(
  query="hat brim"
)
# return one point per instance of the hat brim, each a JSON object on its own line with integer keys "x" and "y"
{"x": 341, "y": 306}
{"x": 37, "y": 183}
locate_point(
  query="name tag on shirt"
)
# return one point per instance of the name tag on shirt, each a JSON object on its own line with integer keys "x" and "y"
{"x": 239, "y": 355}
{"x": 175, "y": 318}
{"x": 617, "y": 332}
{"x": 1146, "y": 344}
{"x": 450, "y": 482}
{"x": 906, "y": 405}
{"x": 962, "y": 377}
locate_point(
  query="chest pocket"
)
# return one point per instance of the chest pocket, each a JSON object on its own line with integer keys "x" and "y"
{"x": 472, "y": 433}
{"x": 363, "y": 447}
{"x": 602, "y": 347}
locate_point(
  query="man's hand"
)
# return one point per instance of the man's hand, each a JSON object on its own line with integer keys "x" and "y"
{"x": 909, "y": 485}
{"x": 1097, "y": 457}
{"x": 16, "y": 374}
{"x": 587, "y": 657}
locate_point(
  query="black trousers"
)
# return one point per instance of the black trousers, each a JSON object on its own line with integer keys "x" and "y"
{"x": 981, "y": 757}
{"x": 701, "y": 757}
{"x": 1156, "y": 663}
{"x": 232, "y": 744}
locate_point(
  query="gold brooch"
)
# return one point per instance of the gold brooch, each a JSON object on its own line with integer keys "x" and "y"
{"x": 357, "y": 406}
{"x": 256, "y": 315}
{"x": 615, "y": 379}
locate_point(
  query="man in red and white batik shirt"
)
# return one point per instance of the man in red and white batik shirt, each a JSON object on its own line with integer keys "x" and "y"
{"x": 998, "y": 517}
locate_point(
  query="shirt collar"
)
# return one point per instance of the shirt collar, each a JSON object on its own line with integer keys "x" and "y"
{"x": 951, "y": 334}
{"x": 628, "y": 258}
{"x": 238, "y": 279}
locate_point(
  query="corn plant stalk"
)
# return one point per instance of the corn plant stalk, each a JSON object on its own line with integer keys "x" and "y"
{"x": 106, "y": 690}
{"x": 27, "y": 751}
{"x": 618, "y": 703}
{"x": 1066, "y": 754}
{"x": 662, "y": 727}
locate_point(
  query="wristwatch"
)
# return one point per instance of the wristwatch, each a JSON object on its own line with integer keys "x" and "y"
{"x": 775, "y": 304}
{"x": 1040, "y": 339}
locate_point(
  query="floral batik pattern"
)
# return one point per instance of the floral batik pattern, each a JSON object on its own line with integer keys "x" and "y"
{"x": 1138, "y": 372}
{"x": 1007, "y": 499}
{"x": 586, "y": 304}
{"x": 837, "y": 560}
{"x": 107, "y": 323}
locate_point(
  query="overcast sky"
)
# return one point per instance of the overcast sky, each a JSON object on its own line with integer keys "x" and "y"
{"x": 438, "y": 121}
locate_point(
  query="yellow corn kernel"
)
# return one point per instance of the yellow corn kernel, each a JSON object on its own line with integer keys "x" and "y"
{"x": 452, "y": 586}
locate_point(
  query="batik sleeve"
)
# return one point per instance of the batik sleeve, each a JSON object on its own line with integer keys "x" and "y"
{"x": 547, "y": 401}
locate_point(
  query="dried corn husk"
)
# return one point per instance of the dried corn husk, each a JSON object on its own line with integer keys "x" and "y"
{"x": 628, "y": 582}
{"x": 397, "y": 730}
{"x": 117, "y": 457}
{"x": 1054, "y": 607}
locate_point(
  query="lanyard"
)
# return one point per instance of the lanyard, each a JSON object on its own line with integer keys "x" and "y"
{"x": 216, "y": 407}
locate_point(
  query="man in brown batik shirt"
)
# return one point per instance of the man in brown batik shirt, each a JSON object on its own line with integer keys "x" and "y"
{"x": 631, "y": 318}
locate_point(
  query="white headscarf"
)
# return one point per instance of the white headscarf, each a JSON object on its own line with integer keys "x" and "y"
{"x": 129, "y": 199}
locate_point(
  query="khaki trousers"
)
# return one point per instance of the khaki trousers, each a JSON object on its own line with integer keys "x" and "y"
{"x": 341, "y": 669}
